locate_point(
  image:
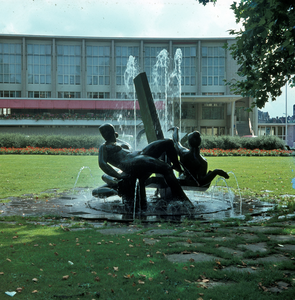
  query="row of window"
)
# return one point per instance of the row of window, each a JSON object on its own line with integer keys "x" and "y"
{"x": 39, "y": 64}
{"x": 47, "y": 94}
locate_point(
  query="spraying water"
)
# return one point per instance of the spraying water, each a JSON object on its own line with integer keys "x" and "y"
{"x": 84, "y": 167}
{"x": 176, "y": 75}
{"x": 130, "y": 73}
{"x": 160, "y": 80}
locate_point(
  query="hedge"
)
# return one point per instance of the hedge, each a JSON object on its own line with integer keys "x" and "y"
{"x": 16, "y": 140}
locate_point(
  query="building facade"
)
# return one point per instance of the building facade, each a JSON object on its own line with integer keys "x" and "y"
{"x": 52, "y": 84}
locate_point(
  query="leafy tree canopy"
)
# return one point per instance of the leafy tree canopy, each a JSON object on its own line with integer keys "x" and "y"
{"x": 264, "y": 48}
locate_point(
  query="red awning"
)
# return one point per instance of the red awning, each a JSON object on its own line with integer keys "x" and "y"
{"x": 29, "y": 103}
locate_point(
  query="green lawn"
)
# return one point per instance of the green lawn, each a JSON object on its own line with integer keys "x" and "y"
{"x": 25, "y": 174}
{"x": 46, "y": 262}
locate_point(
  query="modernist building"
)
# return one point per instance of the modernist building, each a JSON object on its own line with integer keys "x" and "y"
{"x": 53, "y": 84}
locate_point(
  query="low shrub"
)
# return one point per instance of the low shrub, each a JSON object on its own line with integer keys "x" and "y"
{"x": 50, "y": 141}
{"x": 17, "y": 140}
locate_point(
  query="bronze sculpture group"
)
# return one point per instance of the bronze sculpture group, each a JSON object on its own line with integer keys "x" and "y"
{"x": 127, "y": 173}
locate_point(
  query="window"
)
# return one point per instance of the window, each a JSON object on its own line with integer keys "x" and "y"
{"x": 39, "y": 64}
{"x": 69, "y": 95}
{"x": 37, "y": 94}
{"x": 10, "y": 63}
{"x": 150, "y": 59}
{"x": 212, "y": 111}
{"x": 98, "y": 95}
{"x": 216, "y": 131}
{"x": 213, "y": 94}
{"x": 123, "y": 95}
{"x": 122, "y": 56}
{"x": 68, "y": 64}
{"x": 10, "y": 94}
{"x": 98, "y": 65}
{"x": 188, "y": 65}
{"x": 213, "y": 66}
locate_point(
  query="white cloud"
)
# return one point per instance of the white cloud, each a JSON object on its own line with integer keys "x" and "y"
{"x": 130, "y": 18}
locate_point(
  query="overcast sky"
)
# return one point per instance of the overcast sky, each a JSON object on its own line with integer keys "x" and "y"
{"x": 125, "y": 18}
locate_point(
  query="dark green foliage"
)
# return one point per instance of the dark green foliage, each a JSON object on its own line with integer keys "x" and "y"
{"x": 235, "y": 142}
{"x": 49, "y": 141}
{"x": 86, "y": 141}
{"x": 264, "y": 48}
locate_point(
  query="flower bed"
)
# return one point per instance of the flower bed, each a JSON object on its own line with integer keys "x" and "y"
{"x": 94, "y": 151}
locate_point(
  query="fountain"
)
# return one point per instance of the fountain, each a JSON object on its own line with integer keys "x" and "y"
{"x": 134, "y": 192}
{"x": 132, "y": 181}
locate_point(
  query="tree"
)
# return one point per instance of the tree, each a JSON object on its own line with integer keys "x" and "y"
{"x": 264, "y": 48}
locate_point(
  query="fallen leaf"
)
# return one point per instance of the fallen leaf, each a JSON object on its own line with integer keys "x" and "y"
{"x": 97, "y": 278}
{"x": 8, "y": 259}
{"x": 151, "y": 262}
{"x": 1, "y": 273}
{"x": 140, "y": 282}
{"x": 116, "y": 269}
{"x": 99, "y": 243}
{"x": 34, "y": 292}
{"x": 150, "y": 278}
{"x": 36, "y": 245}
{"x": 187, "y": 281}
{"x": 19, "y": 290}
{"x": 189, "y": 241}
{"x": 55, "y": 253}
{"x": 158, "y": 252}
{"x": 66, "y": 277}
{"x": 35, "y": 279}
{"x": 127, "y": 276}
{"x": 15, "y": 237}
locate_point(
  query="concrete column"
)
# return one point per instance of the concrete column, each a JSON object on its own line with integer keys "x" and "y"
{"x": 199, "y": 73}
{"x": 113, "y": 73}
{"x": 83, "y": 70}
{"x": 53, "y": 70}
{"x": 24, "y": 92}
{"x": 141, "y": 55}
{"x": 232, "y": 131}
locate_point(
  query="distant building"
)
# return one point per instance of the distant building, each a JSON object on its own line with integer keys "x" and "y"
{"x": 53, "y": 85}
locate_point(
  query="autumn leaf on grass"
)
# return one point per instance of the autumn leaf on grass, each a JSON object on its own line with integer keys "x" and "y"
{"x": 140, "y": 282}
{"x": 35, "y": 279}
{"x": 151, "y": 262}
{"x": 97, "y": 278}
{"x": 116, "y": 269}
{"x": 34, "y": 292}
{"x": 1, "y": 273}
{"x": 19, "y": 290}
{"x": 66, "y": 277}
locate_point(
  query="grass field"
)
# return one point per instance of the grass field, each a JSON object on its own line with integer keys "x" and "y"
{"x": 43, "y": 261}
{"x": 33, "y": 174}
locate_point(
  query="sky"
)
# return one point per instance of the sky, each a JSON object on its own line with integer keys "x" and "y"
{"x": 126, "y": 18}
